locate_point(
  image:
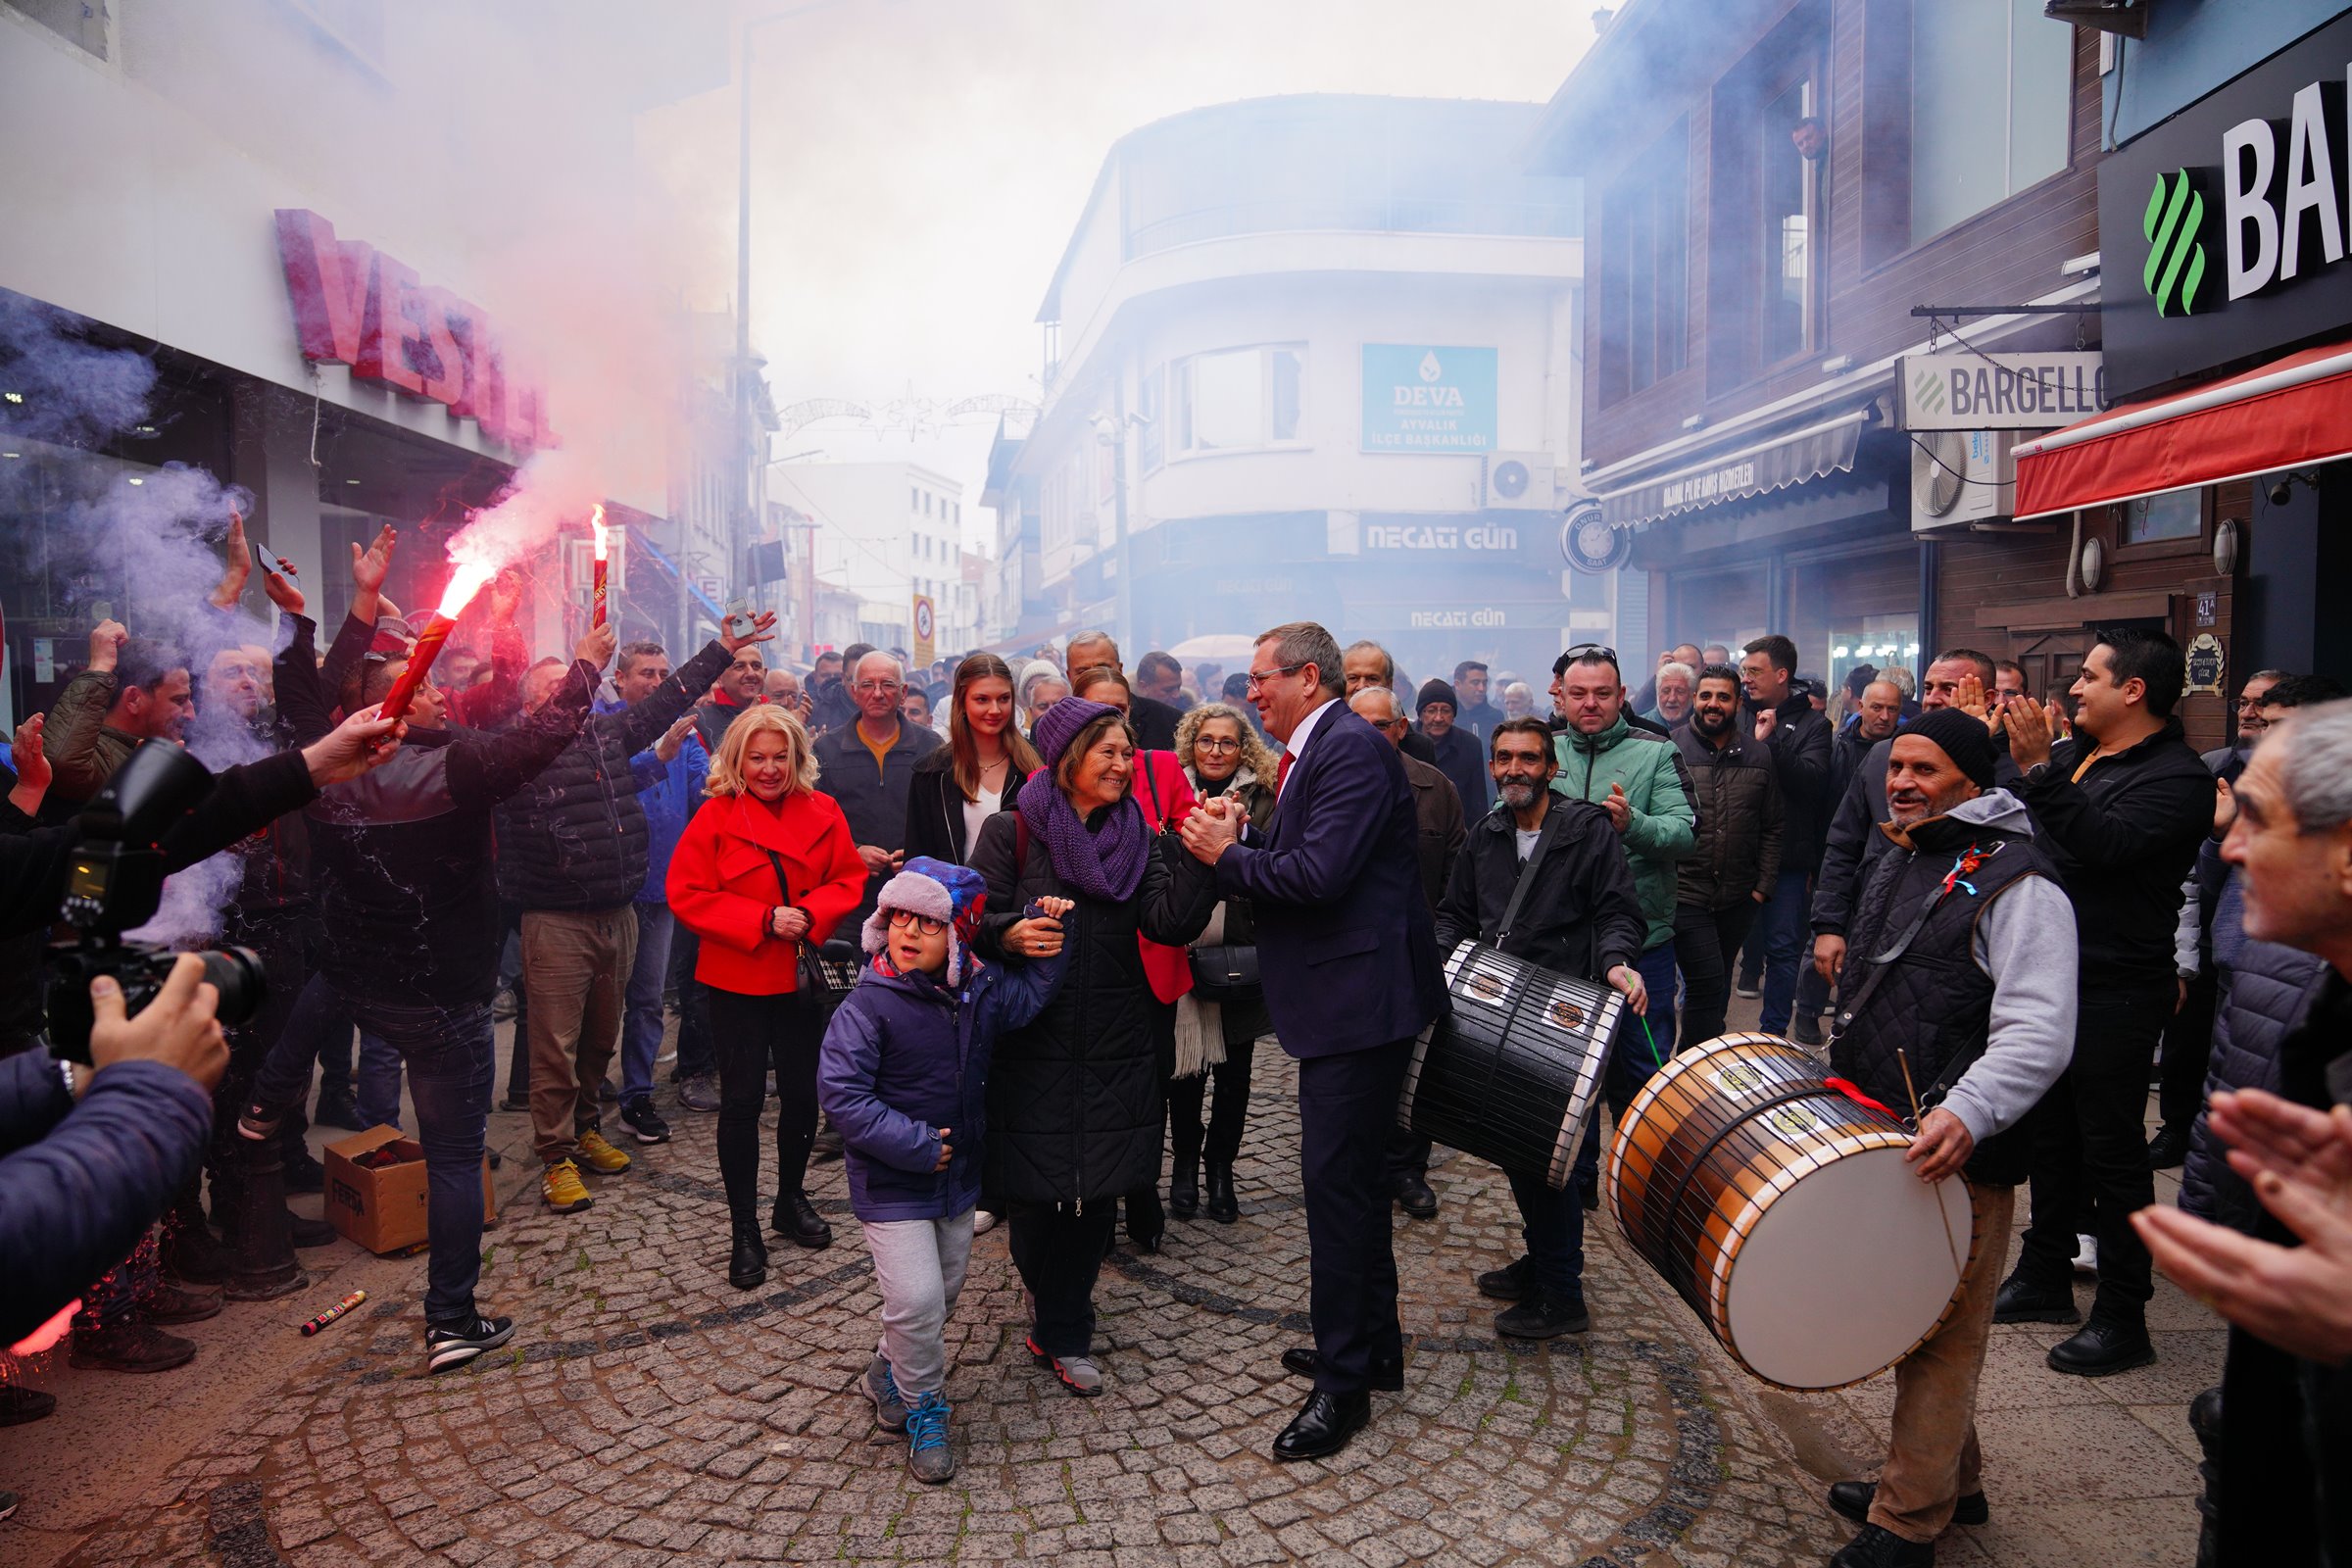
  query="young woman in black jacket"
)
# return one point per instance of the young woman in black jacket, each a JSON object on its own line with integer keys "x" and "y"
{"x": 1074, "y": 1098}
{"x": 977, "y": 773}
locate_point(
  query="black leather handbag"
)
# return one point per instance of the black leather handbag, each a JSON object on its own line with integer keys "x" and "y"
{"x": 1226, "y": 973}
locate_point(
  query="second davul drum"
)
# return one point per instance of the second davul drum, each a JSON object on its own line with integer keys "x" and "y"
{"x": 1781, "y": 1208}
{"x": 1511, "y": 1076}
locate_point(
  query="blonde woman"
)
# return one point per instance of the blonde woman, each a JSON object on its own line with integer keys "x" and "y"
{"x": 766, "y": 867}
{"x": 1222, "y": 754}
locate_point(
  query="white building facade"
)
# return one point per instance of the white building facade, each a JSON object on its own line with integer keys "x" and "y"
{"x": 888, "y": 532}
{"x": 1312, "y": 358}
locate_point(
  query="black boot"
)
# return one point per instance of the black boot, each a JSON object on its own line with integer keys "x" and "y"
{"x": 747, "y": 1266}
{"x": 1222, "y": 1206}
{"x": 1146, "y": 1221}
{"x": 1184, "y": 1188}
{"x": 797, "y": 1220}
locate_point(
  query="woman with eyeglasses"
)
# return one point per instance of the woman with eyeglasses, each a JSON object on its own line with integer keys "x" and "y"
{"x": 1074, "y": 1098}
{"x": 766, "y": 867}
{"x": 1217, "y": 1039}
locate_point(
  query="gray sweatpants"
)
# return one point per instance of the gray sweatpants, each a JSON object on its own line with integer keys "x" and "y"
{"x": 919, "y": 1265}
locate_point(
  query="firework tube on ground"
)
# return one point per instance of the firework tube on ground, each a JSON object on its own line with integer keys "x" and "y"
{"x": 596, "y": 525}
{"x": 333, "y": 1312}
{"x": 463, "y": 586}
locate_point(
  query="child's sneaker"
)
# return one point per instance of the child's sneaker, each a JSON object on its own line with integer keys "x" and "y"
{"x": 929, "y": 1460}
{"x": 890, "y": 1410}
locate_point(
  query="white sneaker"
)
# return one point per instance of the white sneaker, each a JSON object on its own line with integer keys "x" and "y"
{"x": 2086, "y": 1254}
{"x": 983, "y": 1222}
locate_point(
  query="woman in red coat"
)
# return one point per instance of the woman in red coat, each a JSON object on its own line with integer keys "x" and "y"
{"x": 765, "y": 866}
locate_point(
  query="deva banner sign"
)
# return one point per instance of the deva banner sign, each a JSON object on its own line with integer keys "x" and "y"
{"x": 1419, "y": 397}
{"x": 2223, "y": 231}
{"x": 1960, "y": 389}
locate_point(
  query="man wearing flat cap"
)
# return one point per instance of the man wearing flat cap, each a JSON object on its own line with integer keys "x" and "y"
{"x": 1960, "y": 965}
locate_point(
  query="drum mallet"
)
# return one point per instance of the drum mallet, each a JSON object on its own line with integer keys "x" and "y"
{"x": 1917, "y": 1116}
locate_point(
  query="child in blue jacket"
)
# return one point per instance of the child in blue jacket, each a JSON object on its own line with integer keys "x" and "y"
{"x": 903, "y": 1077}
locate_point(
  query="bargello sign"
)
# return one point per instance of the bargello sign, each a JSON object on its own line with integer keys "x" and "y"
{"x": 2223, "y": 231}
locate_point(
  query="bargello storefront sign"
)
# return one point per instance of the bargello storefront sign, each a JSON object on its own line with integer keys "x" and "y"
{"x": 2223, "y": 231}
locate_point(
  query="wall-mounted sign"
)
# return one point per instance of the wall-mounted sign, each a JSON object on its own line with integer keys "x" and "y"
{"x": 1961, "y": 389}
{"x": 2222, "y": 231}
{"x": 1591, "y": 544}
{"x": 1480, "y": 537}
{"x": 1421, "y": 396}
{"x": 926, "y": 628}
{"x": 355, "y": 305}
{"x": 2206, "y": 672}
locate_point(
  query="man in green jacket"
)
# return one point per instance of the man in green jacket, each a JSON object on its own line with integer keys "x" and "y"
{"x": 1637, "y": 776}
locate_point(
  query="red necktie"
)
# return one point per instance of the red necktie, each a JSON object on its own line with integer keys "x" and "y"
{"x": 1283, "y": 771}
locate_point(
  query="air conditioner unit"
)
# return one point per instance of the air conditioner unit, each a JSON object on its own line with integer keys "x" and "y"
{"x": 1962, "y": 476}
{"x": 1521, "y": 482}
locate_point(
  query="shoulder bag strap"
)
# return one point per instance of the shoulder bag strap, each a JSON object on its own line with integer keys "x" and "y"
{"x": 783, "y": 884}
{"x": 1881, "y": 964}
{"x": 1159, "y": 813}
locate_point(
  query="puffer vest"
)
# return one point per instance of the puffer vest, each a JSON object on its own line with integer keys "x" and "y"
{"x": 1935, "y": 1004}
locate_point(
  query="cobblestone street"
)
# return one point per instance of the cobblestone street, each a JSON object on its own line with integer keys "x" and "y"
{"x": 649, "y": 1413}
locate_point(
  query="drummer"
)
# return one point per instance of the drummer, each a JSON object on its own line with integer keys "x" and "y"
{"x": 1579, "y": 916}
{"x": 1978, "y": 999}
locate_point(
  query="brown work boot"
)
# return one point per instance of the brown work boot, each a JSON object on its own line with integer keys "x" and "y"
{"x": 130, "y": 1348}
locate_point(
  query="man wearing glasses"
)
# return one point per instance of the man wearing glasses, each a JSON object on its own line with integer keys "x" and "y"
{"x": 1331, "y": 885}
{"x": 868, "y": 766}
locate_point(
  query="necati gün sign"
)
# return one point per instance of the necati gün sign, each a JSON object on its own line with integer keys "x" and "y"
{"x": 1960, "y": 389}
{"x": 355, "y": 305}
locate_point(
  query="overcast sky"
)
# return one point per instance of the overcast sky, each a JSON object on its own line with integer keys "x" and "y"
{"x": 918, "y": 165}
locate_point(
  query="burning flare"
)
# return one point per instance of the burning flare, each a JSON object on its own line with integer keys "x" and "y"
{"x": 471, "y": 577}
{"x": 596, "y": 525}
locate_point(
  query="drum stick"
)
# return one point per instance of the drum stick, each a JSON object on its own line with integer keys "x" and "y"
{"x": 1654, "y": 1054}
{"x": 1950, "y": 1240}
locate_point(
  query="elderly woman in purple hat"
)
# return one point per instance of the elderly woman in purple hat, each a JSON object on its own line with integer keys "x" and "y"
{"x": 1074, "y": 1104}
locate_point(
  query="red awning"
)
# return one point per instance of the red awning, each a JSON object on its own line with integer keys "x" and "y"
{"x": 2295, "y": 411}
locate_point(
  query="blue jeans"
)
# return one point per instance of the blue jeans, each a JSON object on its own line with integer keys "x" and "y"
{"x": 1786, "y": 938}
{"x": 450, "y": 1055}
{"x": 379, "y": 1082}
{"x": 1634, "y": 1056}
{"x": 641, "y": 1017}
{"x": 321, "y": 1022}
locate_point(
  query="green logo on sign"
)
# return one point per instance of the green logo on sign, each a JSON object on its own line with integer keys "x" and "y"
{"x": 2176, "y": 259}
{"x": 1927, "y": 391}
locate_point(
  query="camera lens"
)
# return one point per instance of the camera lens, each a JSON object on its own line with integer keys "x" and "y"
{"x": 238, "y": 974}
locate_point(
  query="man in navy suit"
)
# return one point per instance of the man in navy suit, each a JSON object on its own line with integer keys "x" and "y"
{"x": 1349, "y": 959}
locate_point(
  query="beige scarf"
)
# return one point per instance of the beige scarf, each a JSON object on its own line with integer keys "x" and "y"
{"x": 1200, "y": 1024}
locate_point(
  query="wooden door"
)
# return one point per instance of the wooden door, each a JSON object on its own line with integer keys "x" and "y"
{"x": 2052, "y": 658}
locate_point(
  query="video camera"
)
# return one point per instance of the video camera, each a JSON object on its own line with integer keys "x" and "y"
{"x": 115, "y": 884}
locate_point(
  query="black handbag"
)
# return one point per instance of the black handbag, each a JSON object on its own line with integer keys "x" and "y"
{"x": 830, "y": 967}
{"x": 1226, "y": 973}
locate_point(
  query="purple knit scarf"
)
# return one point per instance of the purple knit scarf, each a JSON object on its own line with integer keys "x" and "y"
{"x": 1105, "y": 862}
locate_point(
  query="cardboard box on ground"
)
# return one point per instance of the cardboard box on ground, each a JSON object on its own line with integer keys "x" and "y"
{"x": 381, "y": 1205}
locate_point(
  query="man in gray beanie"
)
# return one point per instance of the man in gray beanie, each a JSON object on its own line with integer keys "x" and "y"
{"x": 1960, "y": 985}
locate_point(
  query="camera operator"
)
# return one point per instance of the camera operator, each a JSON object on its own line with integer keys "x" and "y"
{"x": 95, "y": 1153}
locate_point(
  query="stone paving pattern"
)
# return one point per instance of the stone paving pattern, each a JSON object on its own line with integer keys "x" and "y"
{"x": 648, "y": 1413}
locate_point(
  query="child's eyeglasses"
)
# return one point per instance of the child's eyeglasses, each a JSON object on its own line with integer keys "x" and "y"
{"x": 921, "y": 922}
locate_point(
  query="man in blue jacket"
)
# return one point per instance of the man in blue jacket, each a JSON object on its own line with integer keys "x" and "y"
{"x": 1335, "y": 890}
{"x": 669, "y": 776}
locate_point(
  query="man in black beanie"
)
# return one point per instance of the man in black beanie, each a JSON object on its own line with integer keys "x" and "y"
{"x": 1453, "y": 752}
{"x": 1962, "y": 987}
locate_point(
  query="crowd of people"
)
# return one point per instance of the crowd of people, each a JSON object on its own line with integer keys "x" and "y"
{"x": 1008, "y": 934}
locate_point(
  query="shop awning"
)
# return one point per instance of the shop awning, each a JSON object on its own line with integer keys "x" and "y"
{"x": 1774, "y": 463}
{"x": 2295, "y": 411}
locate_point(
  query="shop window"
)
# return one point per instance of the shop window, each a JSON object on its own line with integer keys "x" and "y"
{"x": 1991, "y": 93}
{"x": 1644, "y": 251}
{"x": 1765, "y": 204}
{"x": 1883, "y": 642}
{"x": 1236, "y": 399}
{"x": 2174, "y": 514}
